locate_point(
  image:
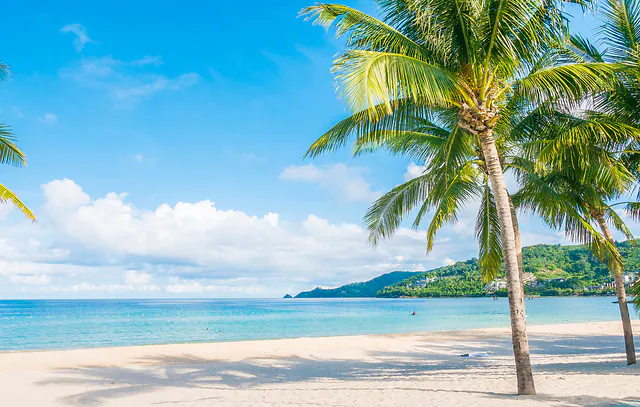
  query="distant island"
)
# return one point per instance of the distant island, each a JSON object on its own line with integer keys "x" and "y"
{"x": 366, "y": 289}
{"x": 550, "y": 270}
{"x": 287, "y": 296}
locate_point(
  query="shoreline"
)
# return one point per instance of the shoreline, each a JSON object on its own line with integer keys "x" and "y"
{"x": 529, "y": 325}
{"x": 531, "y": 328}
{"x": 574, "y": 364}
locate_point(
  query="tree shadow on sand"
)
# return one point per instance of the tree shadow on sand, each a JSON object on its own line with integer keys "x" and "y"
{"x": 398, "y": 370}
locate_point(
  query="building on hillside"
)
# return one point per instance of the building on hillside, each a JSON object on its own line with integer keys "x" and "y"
{"x": 529, "y": 279}
{"x": 629, "y": 278}
{"x": 423, "y": 282}
{"x": 497, "y": 284}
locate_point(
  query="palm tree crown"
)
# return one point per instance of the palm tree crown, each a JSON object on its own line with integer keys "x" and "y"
{"x": 464, "y": 64}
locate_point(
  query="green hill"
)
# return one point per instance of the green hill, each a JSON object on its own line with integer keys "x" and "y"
{"x": 550, "y": 270}
{"x": 366, "y": 289}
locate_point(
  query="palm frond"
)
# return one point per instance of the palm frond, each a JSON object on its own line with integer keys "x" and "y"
{"x": 386, "y": 214}
{"x": 488, "y": 234}
{"x": 632, "y": 210}
{"x": 367, "y": 124}
{"x": 571, "y": 81}
{"x": 4, "y": 71}
{"x": 612, "y": 216}
{"x": 634, "y": 290}
{"x": 620, "y": 30}
{"x": 451, "y": 193}
{"x": 6, "y": 196}
{"x": 364, "y": 32}
{"x": 367, "y": 79}
{"x": 9, "y": 151}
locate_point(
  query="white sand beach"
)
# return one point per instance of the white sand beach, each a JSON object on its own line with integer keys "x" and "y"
{"x": 574, "y": 365}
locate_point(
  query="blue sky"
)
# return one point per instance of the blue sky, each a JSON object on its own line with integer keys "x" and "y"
{"x": 164, "y": 147}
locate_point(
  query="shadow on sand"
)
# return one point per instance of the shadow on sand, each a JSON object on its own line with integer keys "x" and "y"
{"x": 397, "y": 371}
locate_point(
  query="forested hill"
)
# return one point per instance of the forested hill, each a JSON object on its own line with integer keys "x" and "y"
{"x": 552, "y": 270}
{"x": 366, "y": 289}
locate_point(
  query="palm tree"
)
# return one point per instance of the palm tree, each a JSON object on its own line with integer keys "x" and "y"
{"x": 11, "y": 154}
{"x": 620, "y": 35}
{"x": 475, "y": 58}
{"x": 578, "y": 191}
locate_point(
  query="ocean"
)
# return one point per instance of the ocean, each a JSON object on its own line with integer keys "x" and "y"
{"x": 72, "y": 324}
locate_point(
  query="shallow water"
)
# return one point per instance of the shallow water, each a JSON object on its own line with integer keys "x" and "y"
{"x": 67, "y": 324}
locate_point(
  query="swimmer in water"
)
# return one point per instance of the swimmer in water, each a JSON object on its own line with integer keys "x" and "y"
{"x": 414, "y": 313}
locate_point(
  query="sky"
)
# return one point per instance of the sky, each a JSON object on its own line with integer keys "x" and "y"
{"x": 165, "y": 147}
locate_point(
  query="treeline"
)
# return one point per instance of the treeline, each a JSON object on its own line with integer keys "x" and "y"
{"x": 558, "y": 270}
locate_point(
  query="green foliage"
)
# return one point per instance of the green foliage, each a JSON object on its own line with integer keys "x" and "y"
{"x": 11, "y": 154}
{"x": 559, "y": 270}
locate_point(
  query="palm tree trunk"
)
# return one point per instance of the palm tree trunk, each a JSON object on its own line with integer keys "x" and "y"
{"x": 516, "y": 232}
{"x": 519, "y": 337}
{"x": 622, "y": 296}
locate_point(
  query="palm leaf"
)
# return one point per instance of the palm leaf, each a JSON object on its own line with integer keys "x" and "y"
{"x": 7, "y": 196}
{"x": 488, "y": 234}
{"x": 9, "y": 151}
{"x": 4, "y": 71}
{"x": 571, "y": 81}
{"x": 366, "y": 79}
{"x": 364, "y": 32}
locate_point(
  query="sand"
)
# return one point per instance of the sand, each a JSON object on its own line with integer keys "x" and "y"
{"x": 574, "y": 365}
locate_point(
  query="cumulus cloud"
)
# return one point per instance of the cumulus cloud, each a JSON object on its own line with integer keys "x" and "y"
{"x": 106, "y": 244}
{"x": 127, "y": 82}
{"x": 342, "y": 181}
{"x": 88, "y": 246}
{"x": 80, "y": 33}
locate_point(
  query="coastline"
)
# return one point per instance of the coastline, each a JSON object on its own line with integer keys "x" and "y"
{"x": 580, "y": 363}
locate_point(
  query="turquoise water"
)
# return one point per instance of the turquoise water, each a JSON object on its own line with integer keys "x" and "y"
{"x": 60, "y": 324}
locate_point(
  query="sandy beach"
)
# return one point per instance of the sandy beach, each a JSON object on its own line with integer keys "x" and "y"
{"x": 574, "y": 365}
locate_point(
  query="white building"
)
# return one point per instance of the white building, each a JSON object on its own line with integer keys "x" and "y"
{"x": 497, "y": 285}
{"x": 629, "y": 278}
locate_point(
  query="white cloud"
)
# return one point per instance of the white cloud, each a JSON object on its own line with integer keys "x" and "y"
{"x": 413, "y": 171}
{"x": 344, "y": 182}
{"x": 127, "y": 82}
{"x": 39, "y": 279}
{"x": 134, "y": 277}
{"x": 106, "y": 246}
{"x": 48, "y": 118}
{"x": 80, "y": 33}
{"x": 448, "y": 262}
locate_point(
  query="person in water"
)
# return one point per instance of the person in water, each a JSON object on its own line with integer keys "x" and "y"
{"x": 414, "y": 313}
